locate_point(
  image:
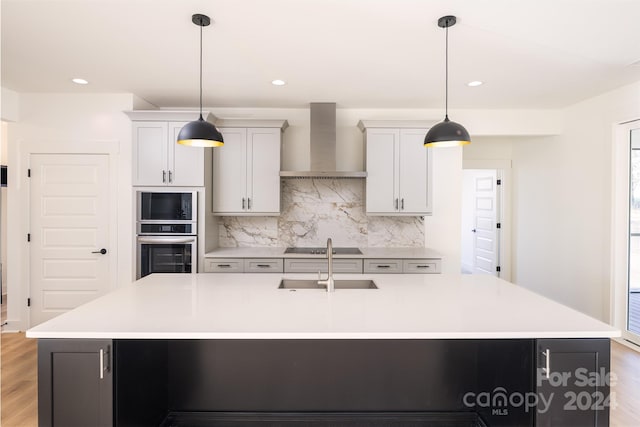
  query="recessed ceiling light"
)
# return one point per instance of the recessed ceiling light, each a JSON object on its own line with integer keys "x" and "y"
{"x": 278, "y": 82}
{"x": 80, "y": 81}
{"x": 475, "y": 83}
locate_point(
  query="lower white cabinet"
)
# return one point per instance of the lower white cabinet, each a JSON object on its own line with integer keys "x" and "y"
{"x": 265, "y": 265}
{"x": 313, "y": 265}
{"x": 421, "y": 266}
{"x": 243, "y": 265}
{"x": 383, "y": 266}
{"x": 224, "y": 265}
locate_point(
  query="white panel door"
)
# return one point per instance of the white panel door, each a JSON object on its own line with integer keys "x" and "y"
{"x": 382, "y": 164}
{"x": 150, "y": 153}
{"x": 263, "y": 169}
{"x": 186, "y": 164}
{"x": 414, "y": 172}
{"x": 230, "y": 172}
{"x": 485, "y": 224}
{"x": 69, "y": 224}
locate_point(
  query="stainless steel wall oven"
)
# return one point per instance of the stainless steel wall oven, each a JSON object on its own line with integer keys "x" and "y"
{"x": 166, "y": 232}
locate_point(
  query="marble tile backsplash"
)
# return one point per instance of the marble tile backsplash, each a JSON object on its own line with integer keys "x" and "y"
{"x": 314, "y": 209}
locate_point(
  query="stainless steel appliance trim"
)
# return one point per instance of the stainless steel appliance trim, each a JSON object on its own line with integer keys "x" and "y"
{"x": 194, "y": 206}
{"x": 165, "y": 239}
{"x": 159, "y": 240}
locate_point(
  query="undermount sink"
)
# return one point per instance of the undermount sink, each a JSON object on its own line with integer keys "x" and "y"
{"x": 339, "y": 284}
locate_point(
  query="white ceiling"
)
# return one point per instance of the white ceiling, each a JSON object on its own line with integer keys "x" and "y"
{"x": 358, "y": 53}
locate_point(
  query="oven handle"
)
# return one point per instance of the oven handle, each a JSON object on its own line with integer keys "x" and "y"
{"x": 166, "y": 239}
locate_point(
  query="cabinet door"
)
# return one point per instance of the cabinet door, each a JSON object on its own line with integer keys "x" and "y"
{"x": 75, "y": 387}
{"x": 382, "y": 164}
{"x": 186, "y": 164}
{"x": 150, "y": 153}
{"x": 574, "y": 372}
{"x": 414, "y": 172}
{"x": 263, "y": 169}
{"x": 230, "y": 172}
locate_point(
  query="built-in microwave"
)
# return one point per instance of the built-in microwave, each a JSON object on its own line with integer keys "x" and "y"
{"x": 174, "y": 207}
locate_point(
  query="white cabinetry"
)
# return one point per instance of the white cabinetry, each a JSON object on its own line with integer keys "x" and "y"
{"x": 398, "y": 170}
{"x": 246, "y": 170}
{"x": 158, "y": 160}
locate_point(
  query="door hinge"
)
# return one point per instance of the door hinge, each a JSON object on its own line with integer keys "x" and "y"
{"x": 498, "y": 269}
{"x": 499, "y": 182}
{"x": 28, "y": 173}
{"x": 28, "y": 237}
{"x": 498, "y": 225}
{"x": 28, "y": 302}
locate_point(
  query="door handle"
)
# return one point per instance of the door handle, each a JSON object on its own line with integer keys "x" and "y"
{"x": 101, "y": 251}
{"x": 248, "y": 203}
{"x": 402, "y": 204}
{"x": 164, "y": 176}
{"x": 170, "y": 177}
{"x": 473, "y": 231}
{"x": 396, "y": 204}
{"x": 104, "y": 366}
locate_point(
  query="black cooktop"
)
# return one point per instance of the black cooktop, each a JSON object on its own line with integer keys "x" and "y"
{"x": 323, "y": 251}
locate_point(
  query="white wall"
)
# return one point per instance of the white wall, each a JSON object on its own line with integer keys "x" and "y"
{"x": 9, "y": 105}
{"x": 53, "y": 120}
{"x": 561, "y": 201}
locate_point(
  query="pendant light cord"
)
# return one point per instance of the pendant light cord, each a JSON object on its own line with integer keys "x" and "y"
{"x": 201, "y": 69}
{"x": 446, "y": 74}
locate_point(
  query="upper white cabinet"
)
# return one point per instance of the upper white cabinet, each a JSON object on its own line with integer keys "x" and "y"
{"x": 398, "y": 169}
{"x": 246, "y": 170}
{"x": 158, "y": 160}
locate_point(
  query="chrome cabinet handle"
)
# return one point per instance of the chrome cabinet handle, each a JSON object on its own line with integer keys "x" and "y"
{"x": 243, "y": 203}
{"x": 248, "y": 203}
{"x": 547, "y": 363}
{"x": 104, "y": 367}
{"x": 383, "y": 266}
{"x": 402, "y": 204}
{"x": 224, "y": 265}
{"x": 101, "y": 251}
{"x": 164, "y": 176}
{"x": 396, "y": 204}
{"x": 170, "y": 178}
{"x": 422, "y": 266}
{"x": 263, "y": 265}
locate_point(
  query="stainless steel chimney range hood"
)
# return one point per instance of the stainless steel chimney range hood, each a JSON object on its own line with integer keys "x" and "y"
{"x": 323, "y": 146}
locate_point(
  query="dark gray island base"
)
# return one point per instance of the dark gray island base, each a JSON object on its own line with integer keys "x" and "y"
{"x": 324, "y": 382}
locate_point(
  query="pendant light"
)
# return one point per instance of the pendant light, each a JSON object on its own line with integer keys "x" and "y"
{"x": 200, "y": 133}
{"x": 447, "y": 133}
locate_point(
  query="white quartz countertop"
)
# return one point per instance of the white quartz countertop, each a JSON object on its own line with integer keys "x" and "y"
{"x": 249, "y": 306}
{"x": 367, "y": 253}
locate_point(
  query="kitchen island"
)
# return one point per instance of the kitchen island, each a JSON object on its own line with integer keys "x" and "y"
{"x": 219, "y": 349}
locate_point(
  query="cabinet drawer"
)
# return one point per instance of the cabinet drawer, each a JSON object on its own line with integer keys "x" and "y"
{"x": 424, "y": 266}
{"x": 263, "y": 265}
{"x": 223, "y": 265}
{"x": 383, "y": 266}
{"x": 313, "y": 265}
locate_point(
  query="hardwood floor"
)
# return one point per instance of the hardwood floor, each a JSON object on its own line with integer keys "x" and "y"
{"x": 625, "y": 363}
{"x": 19, "y": 400}
{"x": 18, "y": 370}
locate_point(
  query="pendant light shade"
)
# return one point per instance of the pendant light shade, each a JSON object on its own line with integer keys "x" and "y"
{"x": 447, "y": 133}
{"x": 200, "y": 133}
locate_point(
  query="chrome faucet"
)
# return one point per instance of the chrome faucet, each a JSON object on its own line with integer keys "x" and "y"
{"x": 329, "y": 283}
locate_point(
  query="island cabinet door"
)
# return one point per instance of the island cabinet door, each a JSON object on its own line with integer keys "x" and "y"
{"x": 573, "y": 380}
{"x": 75, "y": 386}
